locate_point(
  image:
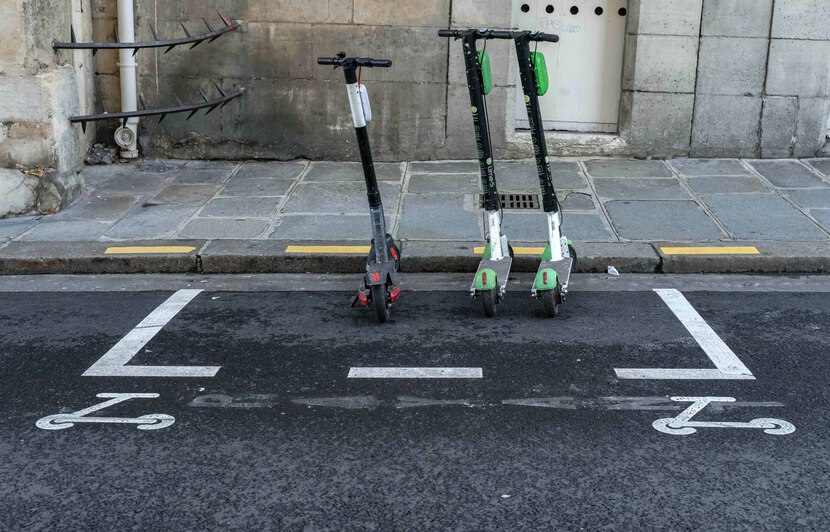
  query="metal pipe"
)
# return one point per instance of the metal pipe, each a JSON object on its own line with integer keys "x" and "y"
{"x": 127, "y": 137}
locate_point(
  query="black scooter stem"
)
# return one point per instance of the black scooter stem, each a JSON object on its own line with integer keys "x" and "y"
{"x": 534, "y": 116}
{"x": 481, "y": 123}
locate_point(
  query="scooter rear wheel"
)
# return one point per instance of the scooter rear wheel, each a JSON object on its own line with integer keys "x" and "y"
{"x": 380, "y": 302}
{"x": 488, "y": 300}
{"x": 550, "y": 300}
{"x": 574, "y": 257}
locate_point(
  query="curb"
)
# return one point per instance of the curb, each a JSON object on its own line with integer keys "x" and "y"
{"x": 275, "y": 256}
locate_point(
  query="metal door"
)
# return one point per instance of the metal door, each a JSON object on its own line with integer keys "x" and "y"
{"x": 585, "y": 67}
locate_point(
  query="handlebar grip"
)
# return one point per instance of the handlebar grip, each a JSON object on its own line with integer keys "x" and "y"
{"x": 328, "y": 60}
{"x": 545, "y": 37}
{"x": 449, "y": 33}
{"x": 500, "y": 34}
{"x": 382, "y": 63}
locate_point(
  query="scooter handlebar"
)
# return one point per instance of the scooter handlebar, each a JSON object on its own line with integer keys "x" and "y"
{"x": 544, "y": 37}
{"x": 355, "y": 61}
{"x": 479, "y": 33}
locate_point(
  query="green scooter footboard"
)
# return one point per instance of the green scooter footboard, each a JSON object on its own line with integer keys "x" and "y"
{"x": 541, "y": 69}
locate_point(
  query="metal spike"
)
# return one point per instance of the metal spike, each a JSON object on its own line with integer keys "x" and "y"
{"x": 161, "y": 119}
{"x": 204, "y": 97}
{"x": 115, "y": 32}
{"x": 83, "y": 126}
{"x": 225, "y": 20}
{"x": 135, "y": 52}
{"x": 210, "y": 30}
{"x": 185, "y": 30}
{"x": 195, "y": 44}
{"x": 169, "y": 48}
{"x": 213, "y": 39}
{"x": 155, "y": 34}
{"x": 219, "y": 88}
{"x": 72, "y": 34}
{"x": 213, "y": 108}
{"x": 191, "y": 114}
{"x": 94, "y": 52}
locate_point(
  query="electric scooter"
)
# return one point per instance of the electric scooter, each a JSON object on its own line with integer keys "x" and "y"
{"x": 490, "y": 281}
{"x": 559, "y": 258}
{"x": 382, "y": 283}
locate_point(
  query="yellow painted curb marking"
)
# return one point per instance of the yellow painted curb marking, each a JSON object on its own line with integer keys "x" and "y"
{"x": 345, "y": 250}
{"x": 712, "y": 250}
{"x": 516, "y": 251}
{"x": 147, "y": 250}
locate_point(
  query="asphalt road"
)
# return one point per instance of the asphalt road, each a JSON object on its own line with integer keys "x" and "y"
{"x": 541, "y": 433}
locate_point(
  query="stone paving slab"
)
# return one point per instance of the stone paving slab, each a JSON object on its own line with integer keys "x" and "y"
{"x": 184, "y": 195}
{"x": 66, "y": 231}
{"x": 822, "y": 215}
{"x": 151, "y": 221}
{"x": 98, "y": 207}
{"x": 135, "y": 184}
{"x": 440, "y": 217}
{"x": 202, "y": 176}
{"x": 445, "y": 167}
{"x": 270, "y": 170}
{"x": 337, "y": 198}
{"x": 708, "y": 167}
{"x": 580, "y": 227}
{"x": 810, "y": 199}
{"x": 651, "y": 220}
{"x": 762, "y": 217}
{"x": 626, "y": 168}
{"x": 256, "y": 187}
{"x": 345, "y": 171}
{"x": 636, "y": 188}
{"x": 788, "y": 174}
{"x": 727, "y": 185}
{"x": 576, "y": 201}
{"x": 336, "y": 227}
{"x": 247, "y": 207}
{"x": 822, "y": 165}
{"x": 221, "y": 228}
{"x": 12, "y": 227}
{"x": 443, "y": 183}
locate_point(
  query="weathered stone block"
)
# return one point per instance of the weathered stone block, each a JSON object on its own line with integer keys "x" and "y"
{"x": 799, "y": 68}
{"x": 429, "y": 13}
{"x": 664, "y": 17}
{"x": 658, "y": 122}
{"x": 801, "y": 19}
{"x": 481, "y": 13}
{"x": 734, "y": 66}
{"x": 778, "y": 126}
{"x": 17, "y": 192}
{"x": 21, "y": 99}
{"x": 726, "y": 126}
{"x": 658, "y": 63}
{"x": 736, "y": 18}
{"x": 812, "y": 126}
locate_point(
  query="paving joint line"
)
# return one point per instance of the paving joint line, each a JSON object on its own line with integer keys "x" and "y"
{"x": 590, "y": 179}
{"x": 702, "y": 204}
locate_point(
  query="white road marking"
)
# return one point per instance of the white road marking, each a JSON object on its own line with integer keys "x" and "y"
{"x": 114, "y": 362}
{"x": 729, "y": 366}
{"x": 145, "y": 422}
{"x": 682, "y": 424}
{"x": 415, "y": 373}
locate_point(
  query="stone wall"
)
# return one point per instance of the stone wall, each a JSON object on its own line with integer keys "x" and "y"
{"x": 709, "y": 78}
{"x": 41, "y": 153}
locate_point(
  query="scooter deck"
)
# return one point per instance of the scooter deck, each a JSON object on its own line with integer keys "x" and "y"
{"x": 563, "y": 270}
{"x": 502, "y": 269}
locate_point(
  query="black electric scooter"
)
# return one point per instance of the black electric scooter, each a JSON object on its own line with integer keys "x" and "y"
{"x": 382, "y": 283}
{"x": 490, "y": 282}
{"x": 559, "y": 258}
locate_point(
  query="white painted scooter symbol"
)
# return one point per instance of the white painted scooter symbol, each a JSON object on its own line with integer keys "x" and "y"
{"x": 682, "y": 424}
{"x": 146, "y": 422}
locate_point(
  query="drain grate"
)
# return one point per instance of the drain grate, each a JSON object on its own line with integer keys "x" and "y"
{"x": 516, "y": 201}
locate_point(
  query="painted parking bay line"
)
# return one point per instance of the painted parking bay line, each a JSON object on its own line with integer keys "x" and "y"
{"x": 415, "y": 373}
{"x": 530, "y": 252}
{"x": 114, "y": 362}
{"x": 710, "y": 250}
{"x": 149, "y": 250}
{"x": 729, "y": 366}
{"x": 335, "y": 250}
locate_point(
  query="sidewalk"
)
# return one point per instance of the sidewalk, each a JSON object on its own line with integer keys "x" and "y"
{"x": 229, "y": 217}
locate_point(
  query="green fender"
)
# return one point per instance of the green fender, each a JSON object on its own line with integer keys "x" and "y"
{"x": 486, "y": 72}
{"x": 552, "y": 280}
{"x": 490, "y": 277}
{"x": 541, "y": 71}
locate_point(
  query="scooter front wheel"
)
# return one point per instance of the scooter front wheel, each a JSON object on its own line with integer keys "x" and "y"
{"x": 380, "y": 302}
{"x": 550, "y": 300}
{"x": 488, "y": 300}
